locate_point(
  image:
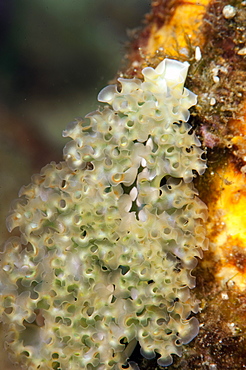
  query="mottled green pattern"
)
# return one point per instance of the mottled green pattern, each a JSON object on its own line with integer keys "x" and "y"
{"x": 109, "y": 236}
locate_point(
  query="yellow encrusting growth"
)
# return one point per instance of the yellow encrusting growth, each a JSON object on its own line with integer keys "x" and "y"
{"x": 109, "y": 237}
{"x": 180, "y": 26}
{"x": 228, "y": 242}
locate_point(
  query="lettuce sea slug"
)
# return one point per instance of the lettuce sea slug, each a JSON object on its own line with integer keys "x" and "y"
{"x": 109, "y": 237}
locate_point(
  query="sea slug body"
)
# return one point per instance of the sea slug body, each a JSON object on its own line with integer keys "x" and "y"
{"x": 108, "y": 238}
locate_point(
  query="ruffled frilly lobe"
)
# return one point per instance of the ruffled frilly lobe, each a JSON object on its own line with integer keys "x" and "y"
{"x": 108, "y": 238}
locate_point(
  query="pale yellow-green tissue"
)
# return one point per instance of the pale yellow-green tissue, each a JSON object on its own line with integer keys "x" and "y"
{"x": 108, "y": 238}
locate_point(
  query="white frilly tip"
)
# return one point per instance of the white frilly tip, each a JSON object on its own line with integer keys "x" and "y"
{"x": 106, "y": 95}
{"x": 169, "y": 69}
